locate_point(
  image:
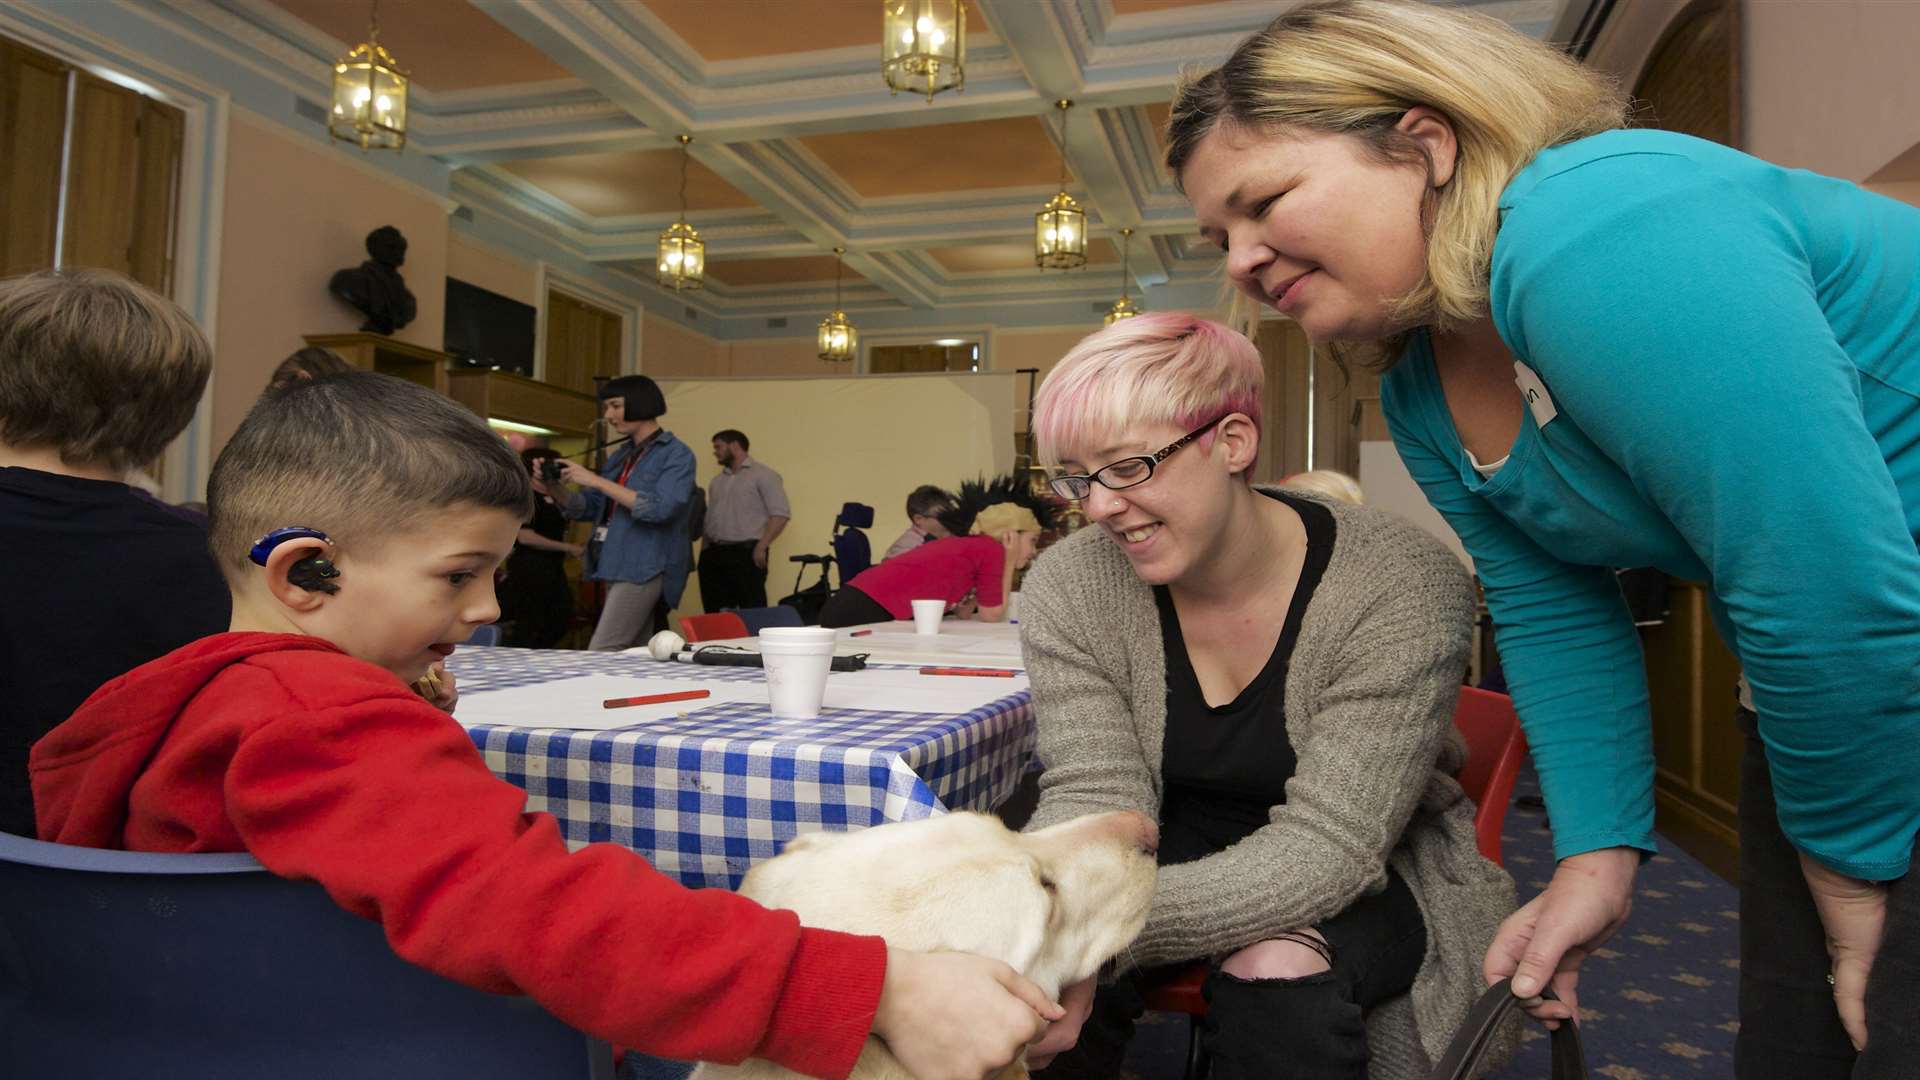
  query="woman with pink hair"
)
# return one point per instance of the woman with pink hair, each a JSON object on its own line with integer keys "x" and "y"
{"x": 1271, "y": 675}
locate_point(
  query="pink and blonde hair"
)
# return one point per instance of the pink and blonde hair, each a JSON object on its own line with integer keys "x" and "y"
{"x": 1161, "y": 368}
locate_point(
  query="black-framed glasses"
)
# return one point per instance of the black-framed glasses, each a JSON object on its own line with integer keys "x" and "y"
{"x": 1128, "y": 471}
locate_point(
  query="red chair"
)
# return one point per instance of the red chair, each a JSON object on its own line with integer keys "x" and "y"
{"x": 715, "y": 627}
{"x": 1495, "y": 748}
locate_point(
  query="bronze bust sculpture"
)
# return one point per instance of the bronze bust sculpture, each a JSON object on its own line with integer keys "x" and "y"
{"x": 375, "y": 287}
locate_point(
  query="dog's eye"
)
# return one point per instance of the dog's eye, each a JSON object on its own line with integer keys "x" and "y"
{"x": 1047, "y": 884}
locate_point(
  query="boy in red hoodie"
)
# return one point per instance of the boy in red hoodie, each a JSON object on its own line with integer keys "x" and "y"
{"x": 358, "y": 520}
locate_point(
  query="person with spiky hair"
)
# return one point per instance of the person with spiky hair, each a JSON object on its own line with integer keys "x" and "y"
{"x": 995, "y": 526}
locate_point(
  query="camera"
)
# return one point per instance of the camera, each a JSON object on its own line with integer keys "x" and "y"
{"x": 551, "y": 472}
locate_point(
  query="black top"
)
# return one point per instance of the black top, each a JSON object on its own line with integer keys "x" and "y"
{"x": 1226, "y": 766}
{"x": 549, "y": 522}
{"x": 97, "y": 579}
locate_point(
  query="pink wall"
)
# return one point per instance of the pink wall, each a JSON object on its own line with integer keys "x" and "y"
{"x": 1015, "y": 349}
{"x": 295, "y": 213}
{"x": 494, "y": 271}
{"x": 1830, "y": 86}
{"x": 782, "y": 356}
{"x": 669, "y": 350}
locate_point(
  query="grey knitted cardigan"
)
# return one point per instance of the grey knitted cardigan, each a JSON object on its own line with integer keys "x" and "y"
{"x": 1370, "y": 694}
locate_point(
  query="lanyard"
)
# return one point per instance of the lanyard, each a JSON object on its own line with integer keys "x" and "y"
{"x": 626, "y": 470}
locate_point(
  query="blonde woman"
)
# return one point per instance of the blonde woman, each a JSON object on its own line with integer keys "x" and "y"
{"x": 1624, "y": 348}
{"x": 1272, "y": 677}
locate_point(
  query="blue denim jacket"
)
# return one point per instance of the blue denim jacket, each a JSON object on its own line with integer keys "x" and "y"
{"x": 649, "y": 540}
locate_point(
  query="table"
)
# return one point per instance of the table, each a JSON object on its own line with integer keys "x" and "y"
{"x": 707, "y": 794}
{"x": 960, "y": 643}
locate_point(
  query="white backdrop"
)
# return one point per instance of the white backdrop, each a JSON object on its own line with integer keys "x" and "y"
{"x": 866, "y": 438}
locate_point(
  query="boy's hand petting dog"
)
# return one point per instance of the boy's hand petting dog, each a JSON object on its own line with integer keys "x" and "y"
{"x": 958, "y": 1016}
{"x": 437, "y": 687}
{"x": 1076, "y": 1001}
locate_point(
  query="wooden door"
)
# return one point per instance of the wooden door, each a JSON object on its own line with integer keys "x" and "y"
{"x": 33, "y": 125}
{"x": 583, "y": 340}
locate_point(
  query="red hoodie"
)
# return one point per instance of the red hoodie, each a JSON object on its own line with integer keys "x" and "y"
{"x": 329, "y": 768}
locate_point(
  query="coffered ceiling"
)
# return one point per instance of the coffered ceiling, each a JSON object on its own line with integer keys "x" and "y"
{"x": 558, "y": 117}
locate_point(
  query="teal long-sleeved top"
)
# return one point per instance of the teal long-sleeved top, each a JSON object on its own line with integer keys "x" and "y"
{"x": 1731, "y": 352}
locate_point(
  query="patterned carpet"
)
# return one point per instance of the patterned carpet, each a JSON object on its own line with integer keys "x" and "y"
{"x": 1658, "y": 1002}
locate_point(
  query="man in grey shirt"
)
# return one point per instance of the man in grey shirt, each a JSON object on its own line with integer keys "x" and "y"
{"x": 746, "y": 509}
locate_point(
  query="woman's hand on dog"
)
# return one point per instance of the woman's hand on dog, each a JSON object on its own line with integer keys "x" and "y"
{"x": 1077, "y": 1001}
{"x": 957, "y": 1016}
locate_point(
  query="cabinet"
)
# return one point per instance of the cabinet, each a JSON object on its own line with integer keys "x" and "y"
{"x": 502, "y": 395}
{"x": 378, "y": 352}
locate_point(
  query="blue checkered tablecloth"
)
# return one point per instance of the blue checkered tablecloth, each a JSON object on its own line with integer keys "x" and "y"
{"x": 706, "y": 795}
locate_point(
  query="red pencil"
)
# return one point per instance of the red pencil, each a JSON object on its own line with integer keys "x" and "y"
{"x": 654, "y": 699}
{"x": 860, "y": 633}
{"x": 985, "y": 672}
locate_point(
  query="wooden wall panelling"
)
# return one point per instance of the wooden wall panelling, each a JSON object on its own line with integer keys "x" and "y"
{"x": 1691, "y": 677}
{"x": 103, "y": 175}
{"x": 583, "y": 340}
{"x": 33, "y": 123}
{"x": 1283, "y": 436}
{"x": 162, "y": 130}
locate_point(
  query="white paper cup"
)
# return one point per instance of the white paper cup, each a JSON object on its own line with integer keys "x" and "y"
{"x": 797, "y": 659}
{"x": 927, "y": 615}
{"x": 1013, "y": 606}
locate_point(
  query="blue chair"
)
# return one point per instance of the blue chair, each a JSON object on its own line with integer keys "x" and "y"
{"x": 850, "y": 547}
{"x": 759, "y": 618}
{"x": 116, "y": 963}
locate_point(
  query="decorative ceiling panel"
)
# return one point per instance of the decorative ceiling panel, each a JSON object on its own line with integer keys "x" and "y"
{"x": 796, "y": 271}
{"x": 745, "y": 31}
{"x": 1002, "y": 258}
{"x": 1148, "y": 7}
{"x": 628, "y": 182}
{"x": 876, "y": 164}
{"x": 443, "y": 45}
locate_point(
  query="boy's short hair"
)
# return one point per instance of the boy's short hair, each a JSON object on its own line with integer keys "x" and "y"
{"x": 357, "y": 456}
{"x": 738, "y": 438}
{"x": 928, "y": 501}
{"x": 103, "y": 370}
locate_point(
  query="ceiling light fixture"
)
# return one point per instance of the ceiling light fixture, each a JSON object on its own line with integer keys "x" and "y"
{"x": 683, "y": 255}
{"x": 839, "y": 339}
{"x": 1060, "y": 228}
{"x": 923, "y": 46}
{"x": 369, "y": 94}
{"x": 1122, "y": 308}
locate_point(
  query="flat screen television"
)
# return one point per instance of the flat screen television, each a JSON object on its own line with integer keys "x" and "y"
{"x": 487, "y": 330}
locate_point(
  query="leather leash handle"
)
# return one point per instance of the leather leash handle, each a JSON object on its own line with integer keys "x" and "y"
{"x": 1476, "y": 1033}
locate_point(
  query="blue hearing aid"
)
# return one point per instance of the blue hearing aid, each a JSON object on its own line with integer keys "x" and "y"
{"x": 310, "y": 573}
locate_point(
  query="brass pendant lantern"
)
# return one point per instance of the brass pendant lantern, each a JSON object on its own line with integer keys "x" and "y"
{"x": 839, "y": 339}
{"x": 683, "y": 255}
{"x": 1122, "y": 308}
{"x": 923, "y": 46}
{"x": 1060, "y": 228}
{"x": 369, "y": 94}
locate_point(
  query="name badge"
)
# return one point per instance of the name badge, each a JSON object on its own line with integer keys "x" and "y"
{"x": 600, "y": 533}
{"x": 1535, "y": 391}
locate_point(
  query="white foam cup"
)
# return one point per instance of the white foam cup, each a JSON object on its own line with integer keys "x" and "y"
{"x": 797, "y": 659}
{"x": 927, "y": 615}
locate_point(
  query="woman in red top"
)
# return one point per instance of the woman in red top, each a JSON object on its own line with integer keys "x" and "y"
{"x": 1005, "y": 537}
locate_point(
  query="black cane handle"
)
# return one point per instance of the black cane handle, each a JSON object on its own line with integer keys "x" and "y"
{"x": 1470, "y": 1044}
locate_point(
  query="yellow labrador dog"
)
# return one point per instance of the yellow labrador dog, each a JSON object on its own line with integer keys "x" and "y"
{"x": 1053, "y": 904}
